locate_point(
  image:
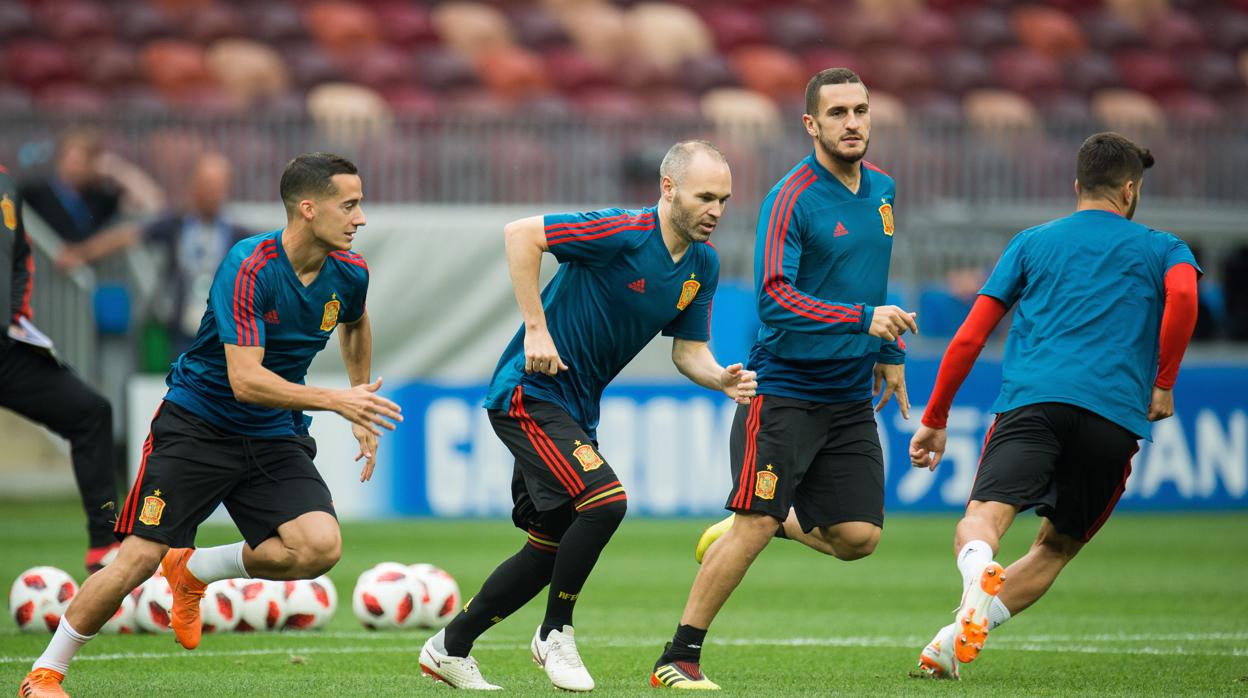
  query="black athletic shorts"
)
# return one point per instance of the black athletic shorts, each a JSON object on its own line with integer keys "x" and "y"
{"x": 559, "y": 471}
{"x": 1068, "y": 463}
{"x": 822, "y": 460}
{"x": 190, "y": 466}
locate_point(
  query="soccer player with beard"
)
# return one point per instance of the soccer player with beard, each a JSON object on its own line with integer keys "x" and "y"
{"x": 625, "y": 276}
{"x": 1105, "y": 309}
{"x": 806, "y": 458}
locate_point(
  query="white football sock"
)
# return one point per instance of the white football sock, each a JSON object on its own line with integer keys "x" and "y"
{"x": 61, "y": 650}
{"x": 222, "y": 562}
{"x": 972, "y": 559}
{"x": 997, "y": 613}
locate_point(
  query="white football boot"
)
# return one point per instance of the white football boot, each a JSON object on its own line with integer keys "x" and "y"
{"x": 972, "y": 615}
{"x": 937, "y": 660}
{"x": 456, "y": 672}
{"x": 561, "y": 660}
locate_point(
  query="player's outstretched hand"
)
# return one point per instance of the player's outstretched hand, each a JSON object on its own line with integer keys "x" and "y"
{"x": 889, "y": 322}
{"x": 926, "y": 447}
{"x": 540, "y": 354}
{"x": 368, "y": 450}
{"x": 1162, "y": 404}
{"x": 738, "y": 384}
{"x": 362, "y": 405}
{"x": 894, "y": 378}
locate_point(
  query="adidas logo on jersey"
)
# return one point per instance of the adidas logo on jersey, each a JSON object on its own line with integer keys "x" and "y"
{"x": 840, "y": 230}
{"x": 639, "y": 285}
{"x": 271, "y": 317}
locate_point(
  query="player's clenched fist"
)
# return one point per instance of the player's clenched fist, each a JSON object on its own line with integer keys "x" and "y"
{"x": 540, "y": 354}
{"x": 363, "y": 406}
{"x": 890, "y": 322}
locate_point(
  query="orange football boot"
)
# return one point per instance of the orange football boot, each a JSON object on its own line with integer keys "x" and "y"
{"x": 187, "y": 593}
{"x": 42, "y": 683}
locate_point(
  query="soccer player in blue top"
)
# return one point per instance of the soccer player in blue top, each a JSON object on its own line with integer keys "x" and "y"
{"x": 625, "y": 276}
{"x": 1104, "y": 309}
{"x": 231, "y": 428}
{"x": 806, "y": 457}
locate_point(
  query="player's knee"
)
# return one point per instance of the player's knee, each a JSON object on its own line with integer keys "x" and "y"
{"x": 1056, "y": 545}
{"x": 854, "y": 542}
{"x": 318, "y": 555}
{"x": 139, "y": 558}
{"x": 609, "y": 513}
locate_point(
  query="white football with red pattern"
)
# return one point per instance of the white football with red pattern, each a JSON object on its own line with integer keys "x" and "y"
{"x": 39, "y": 597}
{"x": 123, "y": 621}
{"x": 441, "y": 601}
{"x": 387, "y": 596}
{"x": 264, "y": 604}
{"x": 221, "y": 609}
{"x": 152, "y": 608}
{"x": 310, "y": 603}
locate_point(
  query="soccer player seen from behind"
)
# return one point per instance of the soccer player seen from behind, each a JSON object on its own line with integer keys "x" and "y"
{"x": 231, "y": 427}
{"x": 806, "y": 456}
{"x": 1104, "y": 309}
{"x": 624, "y": 276}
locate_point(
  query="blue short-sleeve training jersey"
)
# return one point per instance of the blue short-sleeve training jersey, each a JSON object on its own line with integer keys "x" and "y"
{"x": 257, "y": 300}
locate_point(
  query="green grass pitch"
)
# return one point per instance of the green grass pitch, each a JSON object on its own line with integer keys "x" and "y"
{"x": 1157, "y": 605}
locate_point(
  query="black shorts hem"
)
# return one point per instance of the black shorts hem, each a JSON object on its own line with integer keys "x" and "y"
{"x": 156, "y": 537}
{"x": 878, "y": 522}
{"x": 284, "y": 518}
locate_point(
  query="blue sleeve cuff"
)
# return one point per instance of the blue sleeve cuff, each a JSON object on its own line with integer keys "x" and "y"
{"x": 868, "y": 312}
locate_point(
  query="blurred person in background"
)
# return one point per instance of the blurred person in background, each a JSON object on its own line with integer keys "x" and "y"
{"x": 89, "y": 188}
{"x": 625, "y": 276}
{"x": 192, "y": 241}
{"x": 36, "y": 384}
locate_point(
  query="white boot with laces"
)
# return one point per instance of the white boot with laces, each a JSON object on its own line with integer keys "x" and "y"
{"x": 561, "y": 660}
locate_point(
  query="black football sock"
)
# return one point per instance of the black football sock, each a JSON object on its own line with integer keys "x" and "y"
{"x": 511, "y": 585}
{"x": 686, "y": 645}
{"x": 578, "y": 552}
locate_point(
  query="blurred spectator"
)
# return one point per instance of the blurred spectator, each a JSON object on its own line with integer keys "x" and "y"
{"x": 193, "y": 242}
{"x": 89, "y": 188}
{"x": 943, "y": 308}
{"x": 1235, "y": 276}
{"x": 1211, "y": 319}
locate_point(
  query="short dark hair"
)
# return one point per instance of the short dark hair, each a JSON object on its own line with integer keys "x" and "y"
{"x": 831, "y": 76}
{"x": 1109, "y": 160}
{"x": 311, "y": 175}
{"x": 676, "y": 163}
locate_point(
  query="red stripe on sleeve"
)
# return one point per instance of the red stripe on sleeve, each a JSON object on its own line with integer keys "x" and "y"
{"x": 349, "y": 258}
{"x": 26, "y": 310}
{"x": 872, "y": 166}
{"x": 1178, "y": 320}
{"x": 960, "y": 357}
{"x": 244, "y": 292}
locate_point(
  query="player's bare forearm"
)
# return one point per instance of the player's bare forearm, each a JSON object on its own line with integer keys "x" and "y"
{"x": 525, "y": 241}
{"x": 695, "y": 361}
{"x": 254, "y": 384}
{"x": 356, "y": 342}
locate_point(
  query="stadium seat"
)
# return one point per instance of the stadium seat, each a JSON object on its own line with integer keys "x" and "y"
{"x": 931, "y": 107}
{"x": 1062, "y": 107}
{"x": 1175, "y": 32}
{"x": 1107, "y": 32}
{"x": 611, "y": 103}
{"x": 1091, "y": 72}
{"x": 1191, "y": 109}
{"x": 926, "y": 30}
{"x": 1243, "y": 66}
{"x": 137, "y": 22}
{"x": 984, "y": 29}
{"x": 72, "y": 98}
{"x": 1027, "y": 71}
{"x": 546, "y": 106}
{"x": 247, "y": 70}
{"x": 796, "y": 27}
{"x": 897, "y": 69}
{"x": 1127, "y": 110}
{"x": 818, "y": 58}
{"x": 769, "y": 70}
{"x": 348, "y": 114}
{"x": 734, "y": 26}
{"x": 339, "y": 25}
{"x": 991, "y": 109}
{"x": 379, "y": 66}
{"x": 570, "y": 70}
{"x": 137, "y": 97}
{"x": 859, "y": 30}
{"x": 67, "y": 21}
{"x": 442, "y": 69}
{"x": 671, "y": 104}
{"x": 1048, "y": 31}
{"x": 666, "y": 33}
{"x": 1228, "y": 30}
{"x": 309, "y": 65}
{"x": 411, "y": 101}
{"x": 1213, "y": 73}
{"x": 471, "y": 28}
{"x": 963, "y": 70}
{"x": 707, "y": 72}
{"x": 1149, "y": 72}
{"x": 174, "y": 66}
{"x": 887, "y": 110}
{"x": 406, "y": 25}
{"x": 105, "y": 63}
{"x": 33, "y": 63}
{"x": 1136, "y": 12}
{"x": 597, "y": 29}
{"x": 15, "y": 20}
{"x": 736, "y": 109}
{"x": 274, "y": 22}
{"x": 511, "y": 71}
{"x": 537, "y": 27}
{"x": 14, "y": 99}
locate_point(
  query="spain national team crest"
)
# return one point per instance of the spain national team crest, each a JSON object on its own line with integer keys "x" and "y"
{"x": 687, "y": 292}
{"x": 153, "y": 508}
{"x": 886, "y": 215}
{"x": 10, "y": 212}
{"x": 765, "y": 484}
{"x": 587, "y": 457}
{"x": 329, "y": 319}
